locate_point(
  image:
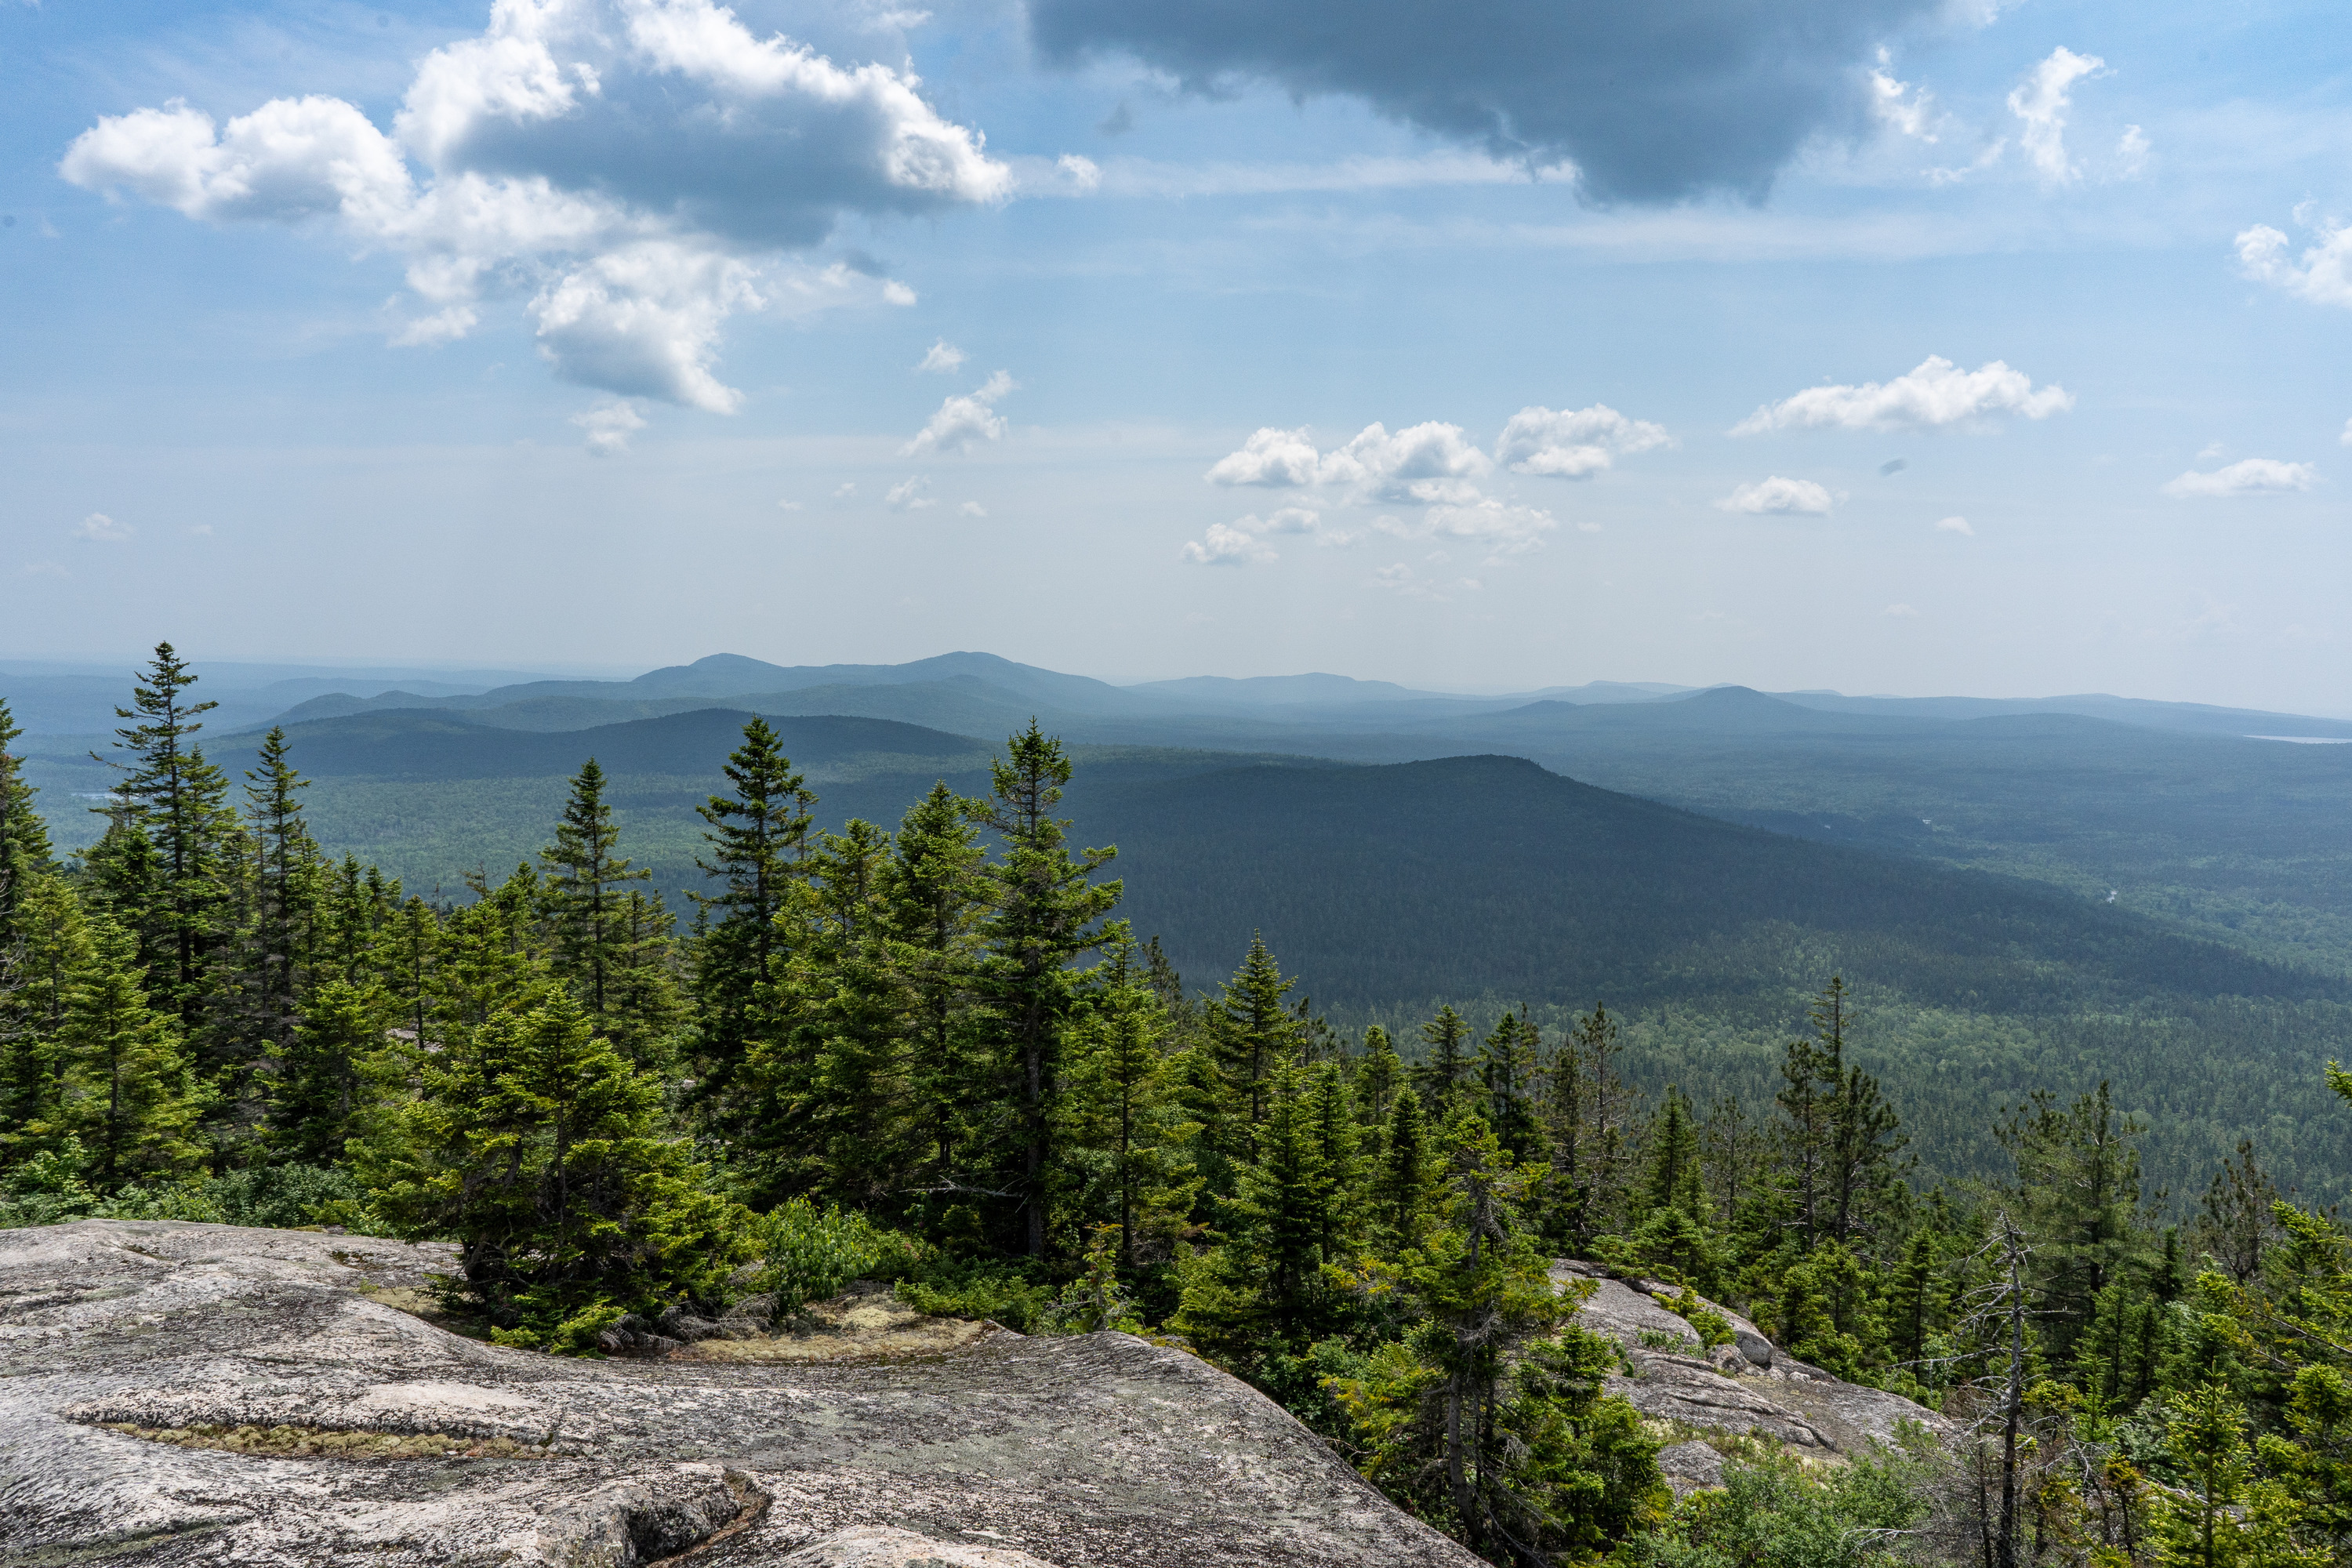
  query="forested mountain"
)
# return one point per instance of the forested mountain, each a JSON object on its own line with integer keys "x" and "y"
{"x": 1903, "y": 1116}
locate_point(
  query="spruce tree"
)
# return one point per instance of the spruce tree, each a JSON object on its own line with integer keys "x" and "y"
{"x": 319, "y": 1095}
{"x": 931, "y": 909}
{"x": 50, "y": 952}
{"x": 1046, "y": 911}
{"x": 757, "y": 837}
{"x": 1673, "y": 1176}
{"x": 23, "y": 837}
{"x": 538, "y": 1149}
{"x": 1126, "y": 1129}
{"x": 1255, "y": 1033}
{"x": 267, "y": 971}
{"x": 1587, "y": 1110}
{"x": 1444, "y": 1072}
{"x": 1379, "y": 1074}
{"x": 178, "y": 801}
{"x": 1506, "y": 1065}
{"x": 130, "y": 1095}
{"x": 1401, "y": 1181}
{"x": 1264, "y": 1293}
{"x": 584, "y": 892}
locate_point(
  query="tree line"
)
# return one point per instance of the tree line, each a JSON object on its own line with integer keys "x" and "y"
{"x": 933, "y": 1053}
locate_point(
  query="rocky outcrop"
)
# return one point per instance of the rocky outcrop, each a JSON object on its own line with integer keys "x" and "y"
{"x": 128, "y": 1349}
{"x": 1747, "y": 1388}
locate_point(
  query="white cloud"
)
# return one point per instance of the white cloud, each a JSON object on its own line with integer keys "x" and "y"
{"x": 962, "y": 419}
{"x": 2041, "y": 102}
{"x": 1777, "y": 496}
{"x": 1083, "y": 173}
{"x": 1573, "y": 445}
{"x": 1421, "y": 465}
{"x": 942, "y": 358}
{"x": 1954, "y": 525}
{"x": 1897, "y": 105}
{"x": 1224, "y": 546}
{"x": 2131, "y": 152}
{"x": 1937, "y": 393}
{"x": 2323, "y": 274}
{"x": 1900, "y": 611}
{"x": 972, "y": 509}
{"x": 788, "y": 506}
{"x": 908, "y": 495}
{"x": 1275, "y": 458}
{"x": 609, "y": 427}
{"x": 2345, "y": 438}
{"x": 613, "y": 163}
{"x": 844, "y": 491}
{"x": 2250, "y": 477}
{"x": 100, "y": 526}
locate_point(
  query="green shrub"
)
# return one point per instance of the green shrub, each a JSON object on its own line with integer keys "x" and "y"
{"x": 286, "y": 1197}
{"x": 806, "y": 1253}
{"x": 1000, "y": 1292}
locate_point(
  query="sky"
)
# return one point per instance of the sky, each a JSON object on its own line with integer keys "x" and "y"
{"x": 1907, "y": 346}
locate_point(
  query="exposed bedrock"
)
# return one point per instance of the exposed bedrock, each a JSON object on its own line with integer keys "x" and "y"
{"x": 1748, "y": 1387}
{"x": 1006, "y": 1452}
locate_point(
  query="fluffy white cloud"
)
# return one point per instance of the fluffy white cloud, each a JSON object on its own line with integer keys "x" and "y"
{"x": 942, "y": 358}
{"x": 2131, "y": 152}
{"x": 1573, "y": 445}
{"x": 1897, "y": 105}
{"x": 1954, "y": 525}
{"x": 609, "y": 427}
{"x": 1937, "y": 393}
{"x": 964, "y": 418}
{"x": 100, "y": 526}
{"x": 1504, "y": 527}
{"x": 2041, "y": 102}
{"x": 1226, "y": 546}
{"x": 908, "y": 495}
{"x": 2250, "y": 477}
{"x": 2323, "y": 274}
{"x": 1421, "y": 465}
{"x": 617, "y": 164}
{"x": 972, "y": 509}
{"x": 1275, "y": 458}
{"x": 1779, "y": 495}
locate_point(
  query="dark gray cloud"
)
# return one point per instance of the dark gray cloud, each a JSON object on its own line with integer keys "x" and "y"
{"x": 1653, "y": 101}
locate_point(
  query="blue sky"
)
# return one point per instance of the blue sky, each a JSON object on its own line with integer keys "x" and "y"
{"x": 1887, "y": 345}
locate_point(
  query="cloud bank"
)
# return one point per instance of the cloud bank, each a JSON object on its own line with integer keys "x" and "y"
{"x": 2251, "y": 477}
{"x": 1653, "y": 103}
{"x": 1937, "y": 393}
{"x": 637, "y": 171}
{"x": 1779, "y": 497}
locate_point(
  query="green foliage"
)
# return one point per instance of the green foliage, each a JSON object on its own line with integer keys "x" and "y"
{"x": 1002, "y": 1293}
{"x": 807, "y": 1253}
{"x": 1773, "y": 1513}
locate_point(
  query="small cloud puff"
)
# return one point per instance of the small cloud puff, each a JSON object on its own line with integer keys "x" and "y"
{"x": 1779, "y": 497}
{"x": 963, "y": 419}
{"x": 2345, "y": 438}
{"x": 788, "y": 506}
{"x": 1954, "y": 525}
{"x": 1226, "y": 546}
{"x": 972, "y": 509}
{"x": 2323, "y": 274}
{"x": 2041, "y": 102}
{"x": 907, "y": 496}
{"x": 941, "y": 358}
{"x": 609, "y": 427}
{"x": 100, "y": 526}
{"x": 1937, "y": 393}
{"x": 1573, "y": 445}
{"x": 2251, "y": 477}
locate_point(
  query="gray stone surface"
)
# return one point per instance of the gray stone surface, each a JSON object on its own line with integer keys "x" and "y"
{"x": 1007, "y": 1453}
{"x": 1748, "y": 1387}
{"x": 1690, "y": 1468}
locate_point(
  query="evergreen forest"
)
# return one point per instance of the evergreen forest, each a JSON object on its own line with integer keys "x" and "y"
{"x": 950, "y": 1052}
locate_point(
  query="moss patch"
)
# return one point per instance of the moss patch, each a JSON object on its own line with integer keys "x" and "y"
{"x": 320, "y": 1443}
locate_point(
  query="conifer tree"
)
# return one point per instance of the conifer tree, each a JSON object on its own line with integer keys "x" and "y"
{"x": 1673, "y": 1176}
{"x": 1265, "y": 1292}
{"x": 1379, "y": 1072}
{"x": 1046, "y": 911}
{"x": 2078, "y": 1188}
{"x": 1444, "y": 1072}
{"x": 267, "y": 970}
{"x": 1126, "y": 1122}
{"x": 931, "y": 909}
{"x": 178, "y": 801}
{"x": 1402, "y": 1182}
{"x": 757, "y": 838}
{"x": 23, "y": 837}
{"x": 410, "y": 948}
{"x": 584, "y": 892}
{"x": 538, "y": 1149}
{"x": 1255, "y": 1033}
{"x": 50, "y": 950}
{"x": 319, "y": 1099}
{"x": 130, "y": 1095}
{"x": 1506, "y": 1065}
{"x": 1587, "y": 1110}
